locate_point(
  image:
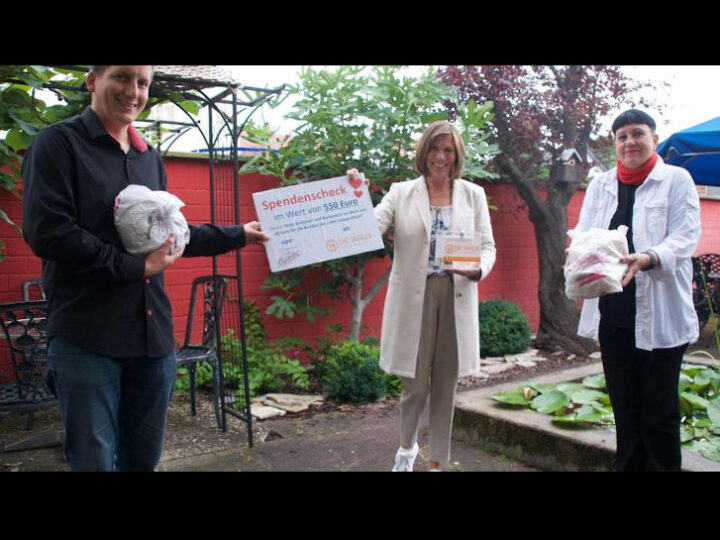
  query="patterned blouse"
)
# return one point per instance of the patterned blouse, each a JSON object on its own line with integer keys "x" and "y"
{"x": 440, "y": 221}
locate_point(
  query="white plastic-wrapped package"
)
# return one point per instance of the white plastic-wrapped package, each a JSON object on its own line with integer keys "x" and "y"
{"x": 145, "y": 218}
{"x": 593, "y": 266}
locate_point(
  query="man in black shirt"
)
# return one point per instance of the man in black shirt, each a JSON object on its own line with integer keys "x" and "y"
{"x": 111, "y": 353}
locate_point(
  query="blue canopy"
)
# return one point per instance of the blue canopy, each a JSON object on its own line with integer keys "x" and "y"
{"x": 696, "y": 149}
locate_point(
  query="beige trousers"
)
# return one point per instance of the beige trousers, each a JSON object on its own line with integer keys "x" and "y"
{"x": 435, "y": 374}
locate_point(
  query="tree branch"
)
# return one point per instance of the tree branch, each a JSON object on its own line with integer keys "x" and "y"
{"x": 376, "y": 287}
{"x": 524, "y": 188}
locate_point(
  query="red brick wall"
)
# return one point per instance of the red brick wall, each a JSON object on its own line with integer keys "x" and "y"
{"x": 514, "y": 276}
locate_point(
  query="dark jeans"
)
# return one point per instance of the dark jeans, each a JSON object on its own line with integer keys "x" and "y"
{"x": 113, "y": 410}
{"x": 643, "y": 387}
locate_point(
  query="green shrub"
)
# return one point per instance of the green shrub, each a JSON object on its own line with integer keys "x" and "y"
{"x": 203, "y": 377}
{"x": 269, "y": 370}
{"x": 353, "y": 373}
{"x": 503, "y": 328}
{"x": 255, "y": 334}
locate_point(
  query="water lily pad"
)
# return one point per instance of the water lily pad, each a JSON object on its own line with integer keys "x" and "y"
{"x": 694, "y": 400}
{"x": 693, "y": 444}
{"x": 700, "y": 421}
{"x": 684, "y": 382}
{"x": 585, "y": 395}
{"x": 691, "y": 369}
{"x": 704, "y": 377}
{"x": 710, "y": 449}
{"x": 565, "y": 419}
{"x": 570, "y": 387}
{"x": 550, "y": 402}
{"x": 543, "y": 387}
{"x": 587, "y": 414}
{"x": 713, "y": 410}
{"x": 602, "y": 408}
{"x": 511, "y": 398}
{"x": 595, "y": 381}
{"x": 687, "y": 433}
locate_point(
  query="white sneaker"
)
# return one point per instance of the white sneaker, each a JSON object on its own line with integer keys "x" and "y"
{"x": 404, "y": 459}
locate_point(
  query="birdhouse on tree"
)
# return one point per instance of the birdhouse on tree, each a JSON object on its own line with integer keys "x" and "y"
{"x": 567, "y": 167}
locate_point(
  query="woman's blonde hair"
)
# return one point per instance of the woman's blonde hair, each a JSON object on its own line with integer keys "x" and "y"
{"x": 433, "y": 131}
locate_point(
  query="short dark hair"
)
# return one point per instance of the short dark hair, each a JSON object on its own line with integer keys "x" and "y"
{"x": 633, "y": 116}
{"x": 100, "y": 69}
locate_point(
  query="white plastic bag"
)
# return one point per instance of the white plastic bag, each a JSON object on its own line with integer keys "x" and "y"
{"x": 145, "y": 218}
{"x": 593, "y": 266}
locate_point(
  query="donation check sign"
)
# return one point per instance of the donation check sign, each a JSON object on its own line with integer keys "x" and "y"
{"x": 317, "y": 221}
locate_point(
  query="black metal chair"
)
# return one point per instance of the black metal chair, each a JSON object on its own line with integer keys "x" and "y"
{"x": 707, "y": 265}
{"x": 24, "y": 329}
{"x": 213, "y": 291}
{"x": 33, "y": 289}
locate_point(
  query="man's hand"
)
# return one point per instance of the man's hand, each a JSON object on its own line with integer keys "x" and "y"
{"x": 253, "y": 233}
{"x": 158, "y": 260}
{"x": 353, "y": 173}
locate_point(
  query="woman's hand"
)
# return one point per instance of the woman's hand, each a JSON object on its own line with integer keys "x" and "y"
{"x": 473, "y": 275}
{"x": 636, "y": 262}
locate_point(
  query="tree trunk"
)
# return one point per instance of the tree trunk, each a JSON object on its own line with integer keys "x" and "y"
{"x": 559, "y": 315}
{"x": 359, "y": 303}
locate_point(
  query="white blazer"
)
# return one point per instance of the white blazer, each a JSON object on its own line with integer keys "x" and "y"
{"x": 407, "y": 207}
{"x": 666, "y": 219}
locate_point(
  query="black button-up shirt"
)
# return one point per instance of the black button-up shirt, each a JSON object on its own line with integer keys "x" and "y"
{"x": 97, "y": 296}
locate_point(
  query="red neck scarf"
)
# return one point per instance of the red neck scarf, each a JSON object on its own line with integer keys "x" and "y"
{"x": 637, "y": 176}
{"x": 136, "y": 140}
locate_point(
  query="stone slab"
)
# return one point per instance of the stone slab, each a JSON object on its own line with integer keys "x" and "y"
{"x": 262, "y": 412}
{"x": 291, "y": 402}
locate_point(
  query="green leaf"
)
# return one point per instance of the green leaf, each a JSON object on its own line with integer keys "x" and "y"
{"x": 27, "y": 127}
{"x": 684, "y": 382}
{"x": 542, "y": 387}
{"x": 570, "y": 387}
{"x": 694, "y": 400}
{"x": 687, "y": 433}
{"x": 550, "y": 402}
{"x": 18, "y": 140}
{"x": 713, "y": 411}
{"x": 595, "y": 381}
{"x": 691, "y": 369}
{"x": 699, "y": 421}
{"x": 587, "y": 414}
{"x": 567, "y": 419}
{"x": 710, "y": 450}
{"x": 4, "y": 217}
{"x": 584, "y": 395}
{"x": 192, "y": 107}
{"x": 703, "y": 378}
{"x": 511, "y": 398}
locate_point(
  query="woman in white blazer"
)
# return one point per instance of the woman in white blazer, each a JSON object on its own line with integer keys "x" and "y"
{"x": 430, "y": 328}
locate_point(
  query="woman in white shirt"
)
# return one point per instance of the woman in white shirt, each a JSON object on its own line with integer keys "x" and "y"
{"x": 430, "y": 327}
{"x": 645, "y": 330}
